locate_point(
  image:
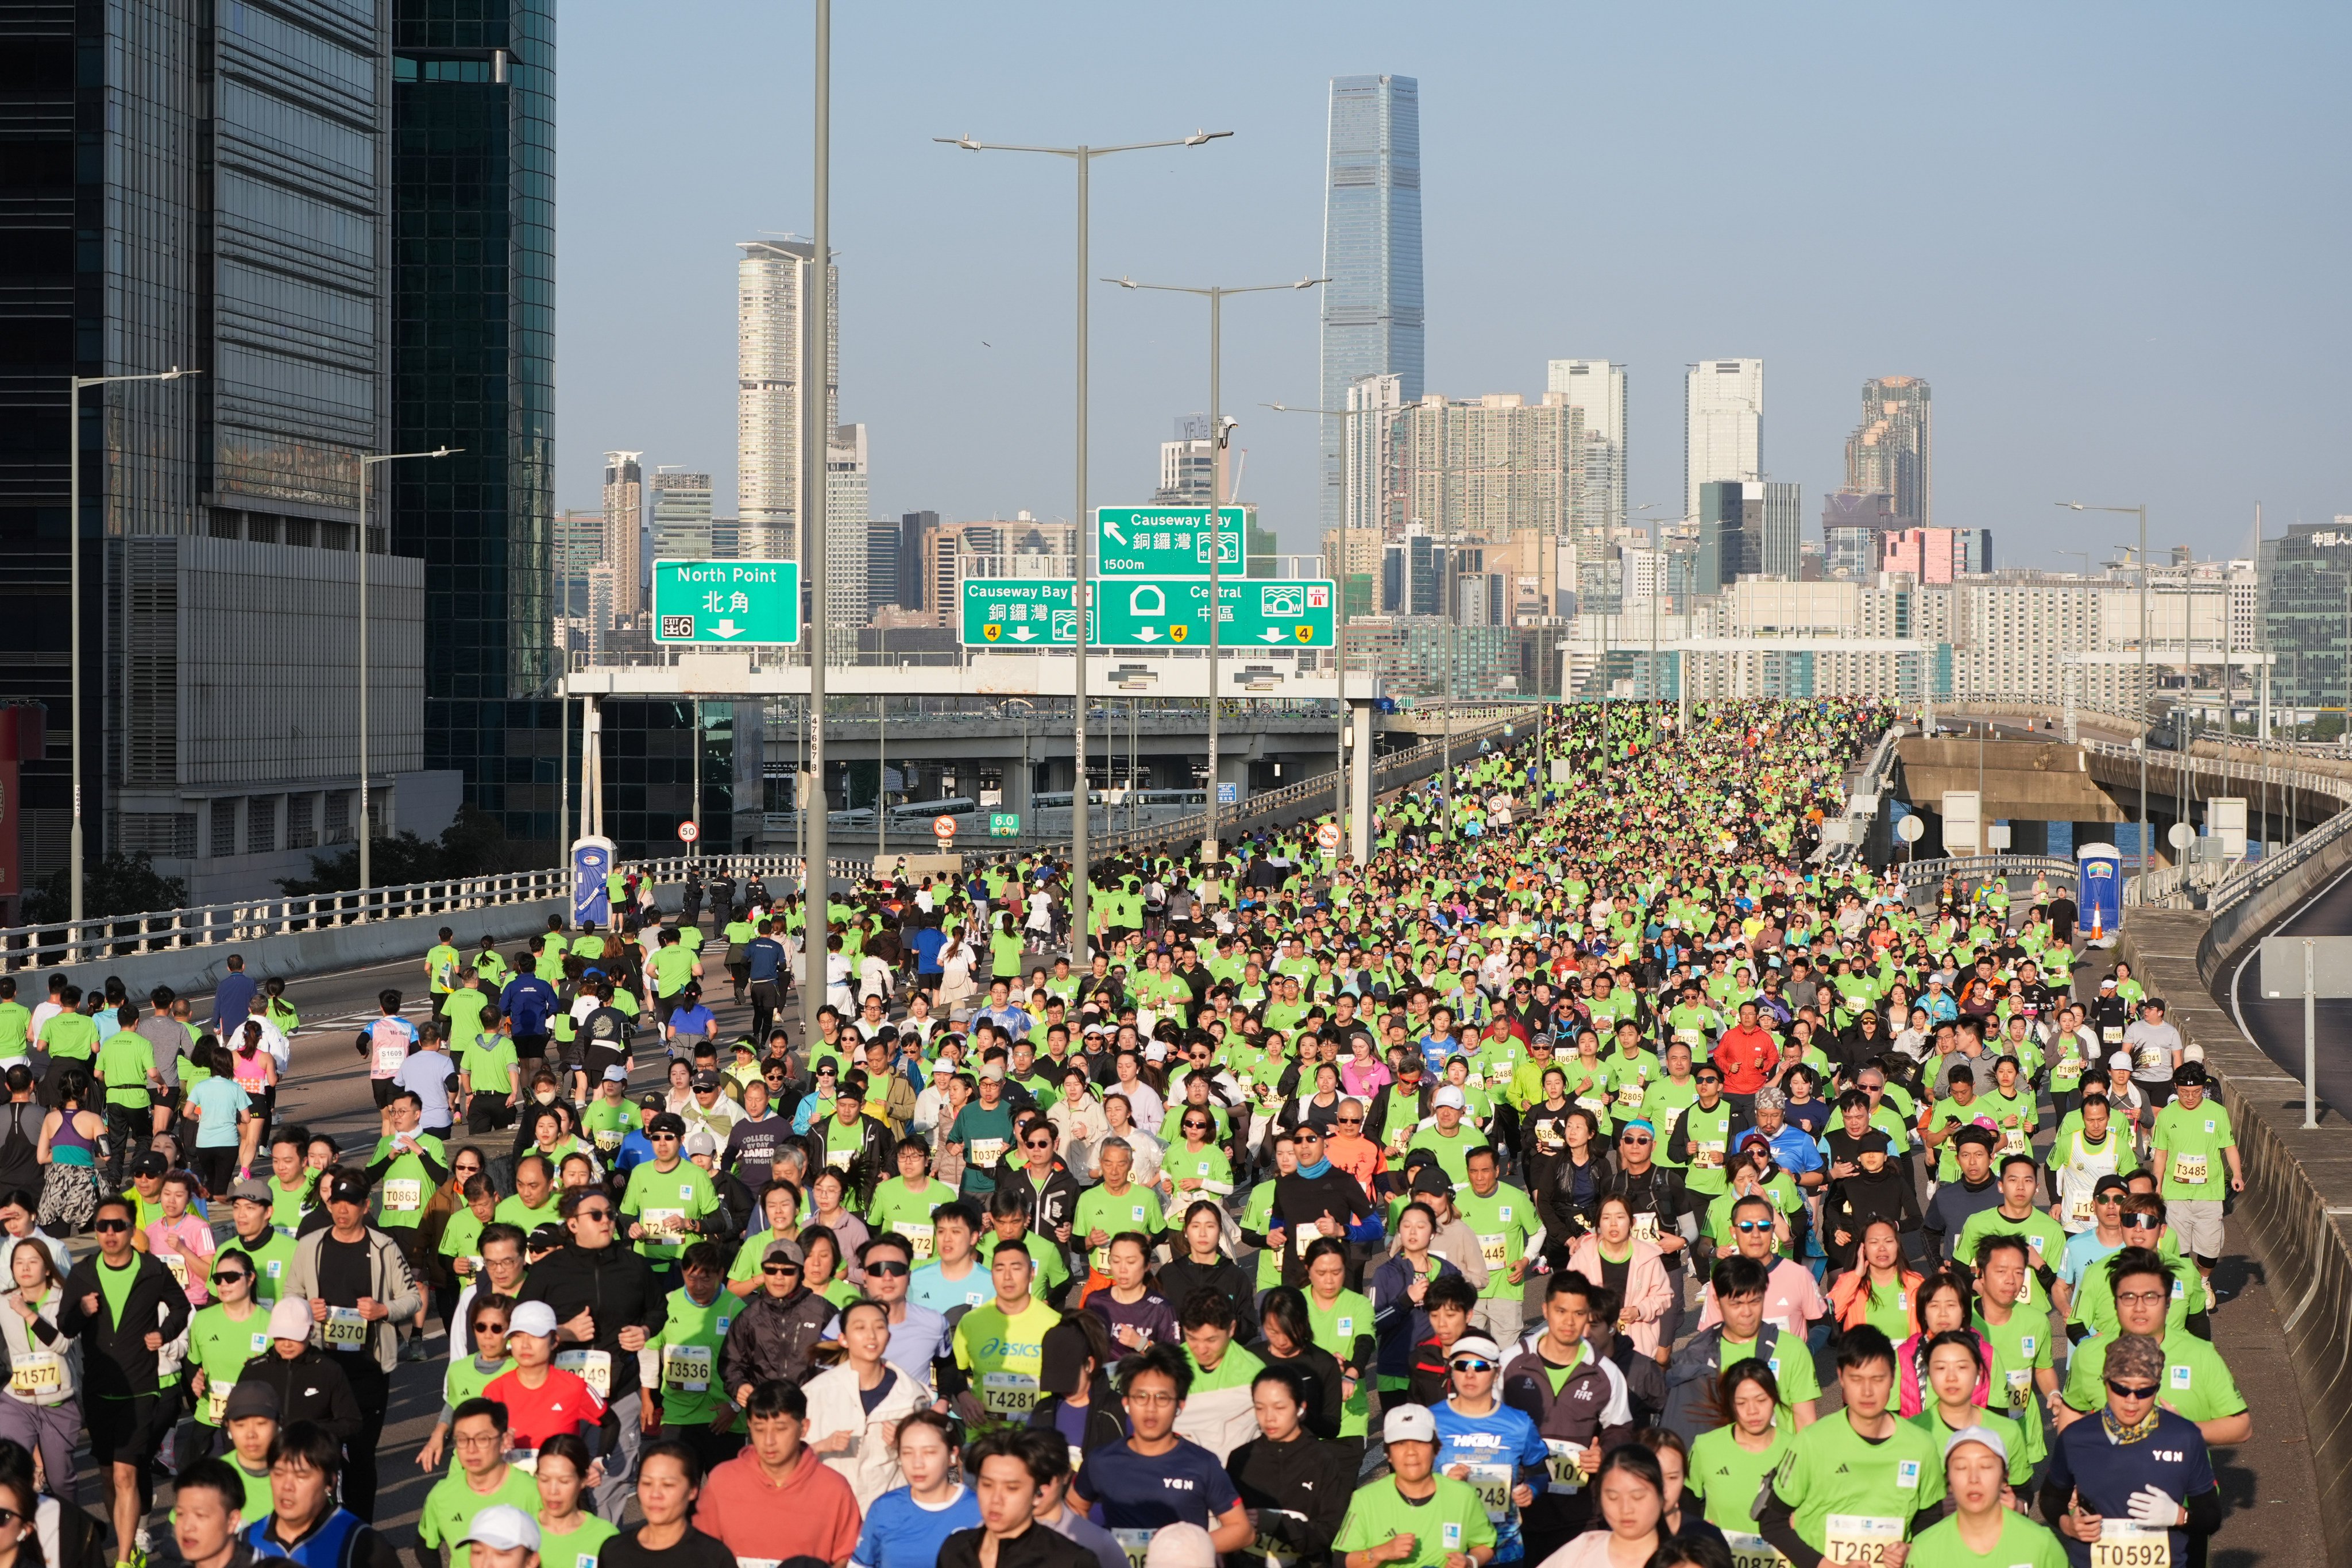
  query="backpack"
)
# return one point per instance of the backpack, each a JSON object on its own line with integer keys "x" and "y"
{"x": 20, "y": 1166}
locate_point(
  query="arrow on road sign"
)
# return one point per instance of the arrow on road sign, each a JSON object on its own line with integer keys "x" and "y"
{"x": 1269, "y": 635}
{"x": 1146, "y": 634}
{"x": 727, "y": 629}
{"x": 1112, "y": 529}
{"x": 1023, "y": 634}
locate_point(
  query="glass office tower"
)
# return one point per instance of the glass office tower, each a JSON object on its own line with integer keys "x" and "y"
{"x": 473, "y": 305}
{"x": 1371, "y": 252}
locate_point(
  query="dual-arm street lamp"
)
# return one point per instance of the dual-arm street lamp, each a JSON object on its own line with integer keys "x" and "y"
{"x": 2140, "y": 512}
{"x": 1081, "y": 520}
{"x": 1220, "y": 431}
{"x": 367, "y": 461}
{"x": 74, "y": 383}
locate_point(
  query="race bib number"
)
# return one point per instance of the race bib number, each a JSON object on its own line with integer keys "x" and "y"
{"x": 2021, "y": 1389}
{"x": 2111, "y": 1034}
{"x": 1566, "y": 1464}
{"x": 345, "y": 1327}
{"x": 1266, "y": 1546}
{"x": 918, "y": 1237}
{"x": 2153, "y": 1057}
{"x": 1490, "y": 1247}
{"x": 178, "y": 1266}
{"x": 607, "y": 1139}
{"x": 2126, "y": 1543}
{"x": 1752, "y": 1551}
{"x": 2012, "y": 1141}
{"x": 1706, "y": 1156}
{"x": 1308, "y": 1237}
{"x": 1861, "y": 1538}
{"x": 686, "y": 1368}
{"x": 660, "y": 1224}
{"x": 404, "y": 1196}
{"x": 386, "y": 1058}
{"x": 593, "y": 1368}
{"x": 2188, "y": 1170}
{"x": 986, "y": 1153}
{"x": 216, "y": 1401}
{"x": 1493, "y": 1485}
{"x": 1008, "y": 1393}
{"x": 1630, "y": 1095}
{"x": 1645, "y": 1227}
{"x": 1136, "y": 1543}
{"x": 2078, "y": 1211}
{"x": 837, "y": 1159}
{"x": 38, "y": 1373}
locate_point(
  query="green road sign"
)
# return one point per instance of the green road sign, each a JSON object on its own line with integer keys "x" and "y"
{"x": 1164, "y": 540}
{"x": 1019, "y": 612}
{"x": 1258, "y": 613}
{"x": 727, "y": 602}
{"x": 1004, "y": 824}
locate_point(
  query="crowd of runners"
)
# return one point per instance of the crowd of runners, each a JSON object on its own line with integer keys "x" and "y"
{"x": 1600, "y": 1175}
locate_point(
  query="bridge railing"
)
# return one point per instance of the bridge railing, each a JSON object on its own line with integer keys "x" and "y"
{"x": 2183, "y": 886}
{"x": 1932, "y": 873}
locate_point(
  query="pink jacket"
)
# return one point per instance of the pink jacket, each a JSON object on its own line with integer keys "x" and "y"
{"x": 1370, "y": 1079}
{"x": 1648, "y": 1294}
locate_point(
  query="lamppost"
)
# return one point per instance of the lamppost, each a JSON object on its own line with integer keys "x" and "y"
{"x": 369, "y": 460}
{"x": 74, "y": 383}
{"x": 2140, "y": 512}
{"x": 1348, "y": 417}
{"x": 1220, "y": 430}
{"x": 1081, "y": 520}
{"x": 816, "y": 314}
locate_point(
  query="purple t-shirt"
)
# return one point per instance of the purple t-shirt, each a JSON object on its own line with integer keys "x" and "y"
{"x": 1151, "y": 1317}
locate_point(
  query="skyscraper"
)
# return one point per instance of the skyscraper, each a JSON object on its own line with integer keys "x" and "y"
{"x": 770, "y": 281}
{"x": 624, "y": 523}
{"x": 1482, "y": 468}
{"x": 1891, "y": 451}
{"x": 1371, "y": 252}
{"x": 846, "y": 525}
{"x": 1185, "y": 466}
{"x": 1722, "y": 424}
{"x": 1596, "y": 388}
{"x": 199, "y": 188}
{"x": 473, "y": 361}
{"x": 681, "y": 515}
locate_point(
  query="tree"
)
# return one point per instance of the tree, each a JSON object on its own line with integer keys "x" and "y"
{"x": 119, "y": 884}
{"x": 474, "y": 844}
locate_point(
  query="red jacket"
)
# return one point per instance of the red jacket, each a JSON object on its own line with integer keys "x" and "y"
{"x": 1746, "y": 1056}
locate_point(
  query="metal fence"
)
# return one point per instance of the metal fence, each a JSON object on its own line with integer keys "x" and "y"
{"x": 2188, "y": 886}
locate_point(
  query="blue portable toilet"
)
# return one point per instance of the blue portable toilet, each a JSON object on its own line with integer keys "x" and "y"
{"x": 2100, "y": 868}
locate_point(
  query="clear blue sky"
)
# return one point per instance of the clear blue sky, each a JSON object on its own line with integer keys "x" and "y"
{"x": 2113, "y": 237}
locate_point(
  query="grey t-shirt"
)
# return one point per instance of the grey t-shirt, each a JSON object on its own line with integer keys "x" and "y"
{"x": 169, "y": 1038}
{"x": 2152, "y": 1045}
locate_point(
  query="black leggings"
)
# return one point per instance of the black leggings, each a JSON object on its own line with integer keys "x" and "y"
{"x": 371, "y": 1389}
{"x": 216, "y": 1168}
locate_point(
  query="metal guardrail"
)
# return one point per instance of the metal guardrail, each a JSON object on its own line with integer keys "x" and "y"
{"x": 2177, "y": 886}
{"x": 64, "y": 944}
{"x": 1855, "y": 824}
{"x": 1931, "y": 872}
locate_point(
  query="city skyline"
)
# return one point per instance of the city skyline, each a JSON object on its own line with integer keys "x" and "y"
{"x": 957, "y": 301}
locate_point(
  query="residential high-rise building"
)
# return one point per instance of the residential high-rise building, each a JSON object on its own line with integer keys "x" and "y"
{"x": 771, "y": 282}
{"x": 681, "y": 516}
{"x": 625, "y": 524}
{"x": 202, "y": 189}
{"x": 845, "y": 527}
{"x": 579, "y": 544}
{"x": 1371, "y": 252}
{"x": 1595, "y": 388}
{"x": 1484, "y": 469}
{"x": 1722, "y": 424}
{"x": 1371, "y": 503}
{"x": 1187, "y": 466}
{"x": 1020, "y": 547}
{"x": 1893, "y": 449}
{"x": 473, "y": 335}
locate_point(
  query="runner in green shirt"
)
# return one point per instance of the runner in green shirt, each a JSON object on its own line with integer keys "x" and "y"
{"x": 667, "y": 1198}
{"x": 687, "y": 1349}
{"x": 1860, "y": 1479}
{"x": 482, "y": 1480}
{"x": 1414, "y": 1517}
{"x": 225, "y": 1335}
{"x": 1983, "y": 1527}
{"x": 905, "y": 1202}
{"x": 1727, "y": 1463}
{"x": 407, "y": 1167}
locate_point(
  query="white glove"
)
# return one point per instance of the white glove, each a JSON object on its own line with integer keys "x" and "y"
{"x": 2150, "y": 1506}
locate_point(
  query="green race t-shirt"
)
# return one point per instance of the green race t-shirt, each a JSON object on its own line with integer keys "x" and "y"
{"x": 451, "y": 1505}
{"x": 124, "y": 1063}
{"x": 1728, "y": 1477}
{"x": 1003, "y": 1355}
{"x": 1453, "y": 1520}
{"x": 580, "y": 1548}
{"x": 2192, "y": 1143}
{"x": 2023, "y": 1545}
{"x": 1842, "y": 1485}
{"x": 406, "y": 1185}
{"x": 2196, "y": 1381}
{"x": 687, "y": 1350}
{"x": 221, "y": 1347}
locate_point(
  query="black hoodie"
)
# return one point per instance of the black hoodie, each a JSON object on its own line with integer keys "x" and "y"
{"x": 617, "y": 1289}
{"x": 1305, "y": 1476}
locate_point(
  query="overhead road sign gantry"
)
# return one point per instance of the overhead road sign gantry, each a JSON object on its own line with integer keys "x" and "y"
{"x": 727, "y": 602}
{"x": 1165, "y": 540}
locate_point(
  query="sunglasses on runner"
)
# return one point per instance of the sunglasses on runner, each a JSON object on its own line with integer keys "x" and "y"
{"x": 889, "y": 1268}
{"x": 584, "y": 1211}
{"x": 106, "y": 1225}
{"x": 2132, "y": 1390}
{"x": 1307, "y": 1135}
{"x": 1751, "y": 1224}
{"x": 1349, "y": 1120}
{"x": 1471, "y": 1363}
{"x": 2141, "y": 1222}
{"x": 779, "y": 1267}
{"x": 1634, "y": 1138}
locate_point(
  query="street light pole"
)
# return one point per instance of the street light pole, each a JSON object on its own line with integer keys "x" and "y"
{"x": 367, "y": 461}
{"x": 1218, "y": 433}
{"x": 1081, "y": 520}
{"x": 817, "y": 309}
{"x": 2139, "y": 512}
{"x": 74, "y": 383}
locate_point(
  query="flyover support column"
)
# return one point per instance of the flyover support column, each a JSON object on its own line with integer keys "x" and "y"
{"x": 1359, "y": 783}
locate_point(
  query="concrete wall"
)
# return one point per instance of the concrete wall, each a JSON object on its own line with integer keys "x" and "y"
{"x": 2296, "y": 1210}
